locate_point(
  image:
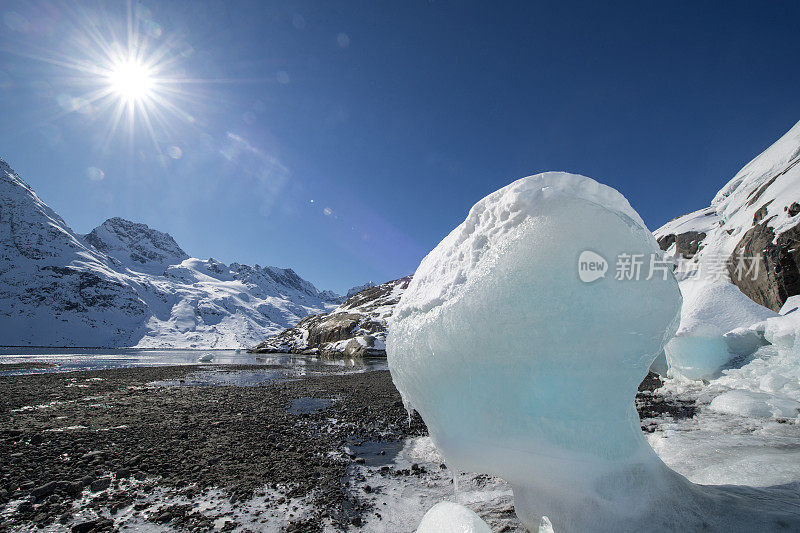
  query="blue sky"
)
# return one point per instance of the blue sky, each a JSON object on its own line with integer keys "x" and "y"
{"x": 393, "y": 117}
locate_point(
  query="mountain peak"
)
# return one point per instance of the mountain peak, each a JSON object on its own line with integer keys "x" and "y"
{"x": 136, "y": 245}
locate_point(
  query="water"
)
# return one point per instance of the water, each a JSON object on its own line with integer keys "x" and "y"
{"x": 306, "y": 405}
{"x": 227, "y": 376}
{"x": 77, "y": 359}
{"x": 378, "y": 453}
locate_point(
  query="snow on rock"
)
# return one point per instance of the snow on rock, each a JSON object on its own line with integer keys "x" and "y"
{"x": 136, "y": 245}
{"x": 725, "y": 292}
{"x": 450, "y": 517}
{"x": 523, "y": 371}
{"x": 55, "y": 289}
{"x": 125, "y": 284}
{"x": 354, "y": 329}
{"x": 358, "y": 288}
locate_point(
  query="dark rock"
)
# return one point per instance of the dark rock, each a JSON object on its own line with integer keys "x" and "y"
{"x": 687, "y": 243}
{"x": 778, "y": 276}
{"x": 101, "y": 484}
{"x": 99, "y": 524}
{"x": 761, "y": 213}
{"x": 45, "y": 490}
{"x": 74, "y": 488}
{"x": 794, "y": 209}
{"x": 358, "y": 320}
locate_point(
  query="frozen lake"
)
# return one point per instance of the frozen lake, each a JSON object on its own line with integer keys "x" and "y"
{"x": 76, "y": 359}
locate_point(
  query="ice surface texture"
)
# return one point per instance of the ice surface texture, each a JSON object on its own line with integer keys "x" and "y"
{"x": 523, "y": 371}
{"x": 449, "y": 517}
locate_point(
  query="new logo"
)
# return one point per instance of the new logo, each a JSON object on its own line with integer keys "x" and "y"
{"x": 591, "y": 266}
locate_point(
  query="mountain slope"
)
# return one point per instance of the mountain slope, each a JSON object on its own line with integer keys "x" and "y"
{"x": 125, "y": 284}
{"x": 355, "y": 328}
{"x": 737, "y": 262}
{"x": 757, "y": 213}
{"x": 136, "y": 246}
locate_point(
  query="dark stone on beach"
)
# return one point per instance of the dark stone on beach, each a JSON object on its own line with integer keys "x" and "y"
{"x": 101, "y": 484}
{"x": 100, "y": 524}
{"x": 44, "y": 490}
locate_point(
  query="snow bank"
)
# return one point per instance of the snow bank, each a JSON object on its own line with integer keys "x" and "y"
{"x": 712, "y": 309}
{"x": 523, "y": 371}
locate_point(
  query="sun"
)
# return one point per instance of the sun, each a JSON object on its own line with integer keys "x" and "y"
{"x": 131, "y": 80}
{"x": 126, "y": 75}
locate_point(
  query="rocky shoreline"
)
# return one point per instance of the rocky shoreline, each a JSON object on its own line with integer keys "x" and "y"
{"x": 86, "y": 451}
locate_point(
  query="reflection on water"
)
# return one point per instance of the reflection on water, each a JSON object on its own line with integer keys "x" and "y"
{"x": 377, "y": 453}
{"x": 227, "y": 376}
{"x": 73, "y": 359}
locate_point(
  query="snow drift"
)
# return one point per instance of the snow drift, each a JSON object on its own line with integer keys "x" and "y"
{"x": 523, "y": 371}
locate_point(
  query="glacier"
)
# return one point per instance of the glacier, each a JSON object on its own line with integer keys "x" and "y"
{"x": 523, "y": 371}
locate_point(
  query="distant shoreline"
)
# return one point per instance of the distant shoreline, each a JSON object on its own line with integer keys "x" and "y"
{"x": 123, "y": 348}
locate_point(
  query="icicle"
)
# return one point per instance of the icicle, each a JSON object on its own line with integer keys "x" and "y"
{"x": 409, "y": 410}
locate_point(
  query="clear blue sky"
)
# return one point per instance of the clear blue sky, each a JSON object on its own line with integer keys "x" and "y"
{"x": 394, "y": 118}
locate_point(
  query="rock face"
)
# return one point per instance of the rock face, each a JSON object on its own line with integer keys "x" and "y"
{"x": 356, "y": 328}
{"x": 754, "y": 215}
{"x": 125, "y": 284}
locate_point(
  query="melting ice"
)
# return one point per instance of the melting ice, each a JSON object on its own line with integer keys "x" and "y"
{"x": 522, "y": 370}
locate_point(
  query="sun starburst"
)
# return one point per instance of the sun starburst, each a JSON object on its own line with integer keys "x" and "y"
{"x": 133, "y": 79}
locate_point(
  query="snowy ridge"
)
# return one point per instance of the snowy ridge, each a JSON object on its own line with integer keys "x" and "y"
{"x": 755, "y": 212}
{"x": 125, "y": 284}
{"x": 136, "y": 245}
{"x": 354, "y": 329}
{"x": 358, "y": 288}
{"x": 738, "y": 261}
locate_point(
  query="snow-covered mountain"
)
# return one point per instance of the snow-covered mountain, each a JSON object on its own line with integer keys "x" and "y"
{"x": 125, "y": 284}
{"x": 358, "y": 288}
{"x": 755, "y": 214}
{"x": 136, "y": 246}
{"x": 355, "y": 328}
{"x": 738, "y": 261}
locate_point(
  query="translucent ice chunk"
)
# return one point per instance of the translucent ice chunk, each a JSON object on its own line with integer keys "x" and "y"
{"x": 524, "y": 369}
{"x": 449, "y": 517}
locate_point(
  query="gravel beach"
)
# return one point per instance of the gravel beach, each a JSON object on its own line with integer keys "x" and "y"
{"x": 78, "y": 449}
